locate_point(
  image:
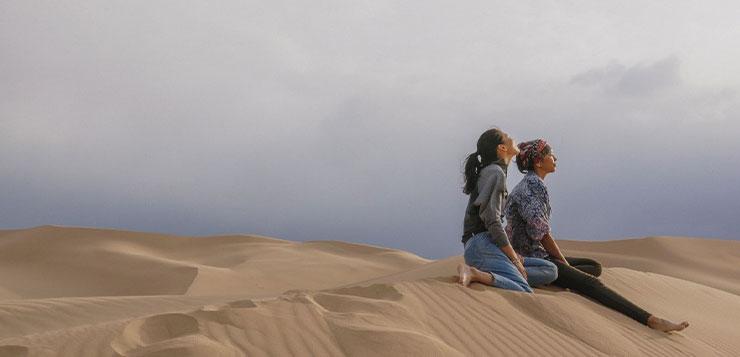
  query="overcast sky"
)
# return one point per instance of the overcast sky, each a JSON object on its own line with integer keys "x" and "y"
{"x": 312, "y": 120}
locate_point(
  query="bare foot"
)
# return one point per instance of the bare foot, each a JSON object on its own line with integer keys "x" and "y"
{"x": 465, "y": 274}
{"x": 665, "y": 325}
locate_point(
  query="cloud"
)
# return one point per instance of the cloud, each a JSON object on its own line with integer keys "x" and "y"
{"x": 639, "y": 79}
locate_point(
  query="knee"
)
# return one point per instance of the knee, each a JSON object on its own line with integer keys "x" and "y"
{"x": 593, "y": 267}
{"x": 597, "y": 269}
{"x": 551, "y": 271}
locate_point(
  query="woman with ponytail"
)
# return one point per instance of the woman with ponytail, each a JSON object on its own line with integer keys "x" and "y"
{"x": 489, "y": 258}
{"x": 528, "y": 226}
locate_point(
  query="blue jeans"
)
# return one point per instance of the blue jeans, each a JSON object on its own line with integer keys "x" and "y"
{"x": 482, "y": 254}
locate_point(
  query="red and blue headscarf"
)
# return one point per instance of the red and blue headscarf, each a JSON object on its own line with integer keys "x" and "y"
{"x": 530, "y": 152}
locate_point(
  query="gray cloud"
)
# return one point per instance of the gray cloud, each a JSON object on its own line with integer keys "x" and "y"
{"x": 639, "y": 79}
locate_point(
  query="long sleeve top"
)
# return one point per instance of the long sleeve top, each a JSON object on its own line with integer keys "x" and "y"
{"x": 528, "y": 216}
{"x": 485, "y": 205}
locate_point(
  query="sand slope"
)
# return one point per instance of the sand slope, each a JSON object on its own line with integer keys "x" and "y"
{"x": 51, "y": 261}
{"x": 709, "y": 262}
{"x": 98, "y": 292}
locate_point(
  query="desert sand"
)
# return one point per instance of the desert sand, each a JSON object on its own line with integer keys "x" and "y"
{"x": 70, "y": 291}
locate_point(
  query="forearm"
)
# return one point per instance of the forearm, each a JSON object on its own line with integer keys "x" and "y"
{"x": 552, "y": 247}
{"x": 514, "y": 257}
{"x": 497, "y": 233}
{"x": 509, "y": 251}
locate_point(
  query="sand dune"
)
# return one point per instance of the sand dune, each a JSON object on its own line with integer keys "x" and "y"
{"x": 50, "y": 261}
{"x": 98, "y": 292}
{"x": 711, "y": 262}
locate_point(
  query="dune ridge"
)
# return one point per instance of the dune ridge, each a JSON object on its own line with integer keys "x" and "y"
{"x": 71, "y": 291}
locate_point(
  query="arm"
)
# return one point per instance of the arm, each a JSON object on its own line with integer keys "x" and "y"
{"x": 491, "y": 188}
{"x": 514, "y": 257}
{"x": 552, "y": 248}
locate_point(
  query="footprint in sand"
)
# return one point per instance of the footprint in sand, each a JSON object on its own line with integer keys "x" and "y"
{"x": 172, "y": 334}
{"x": 368, "y": 299}
{"x": 367, "y": 319}
{"x": 13, "y": 351}
{"x": 224, "y": 314}
{"x": 242, "y": 304}
{"x": 150, "y": 330}
{"x": 375, "y": 291}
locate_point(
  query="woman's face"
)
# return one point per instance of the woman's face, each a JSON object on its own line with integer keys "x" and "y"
{"x": 508, "y": 147}
{"x": 548, "y": 163}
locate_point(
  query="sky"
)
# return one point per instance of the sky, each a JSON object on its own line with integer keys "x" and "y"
{"x": 345, "y": 120}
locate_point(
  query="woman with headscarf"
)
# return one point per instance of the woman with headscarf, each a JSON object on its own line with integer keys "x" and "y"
{"x": 528, "y": 227}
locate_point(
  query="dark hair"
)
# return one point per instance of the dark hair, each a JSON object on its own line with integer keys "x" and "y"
{"x": 487, "y": 149}
{"x": 525, "y": 165}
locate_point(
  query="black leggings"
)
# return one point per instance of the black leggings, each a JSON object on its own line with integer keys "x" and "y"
{"x": 581, "y": 276}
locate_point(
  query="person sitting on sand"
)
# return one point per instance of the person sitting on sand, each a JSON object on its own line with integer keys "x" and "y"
{"x": 528, "y": 226}
{"x": 489, "y": 257}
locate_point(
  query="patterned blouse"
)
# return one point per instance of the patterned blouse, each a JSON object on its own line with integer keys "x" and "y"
{"x": 528, "y": 216}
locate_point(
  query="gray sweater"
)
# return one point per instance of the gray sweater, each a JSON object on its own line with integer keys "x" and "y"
{"x": 486, "y": 203}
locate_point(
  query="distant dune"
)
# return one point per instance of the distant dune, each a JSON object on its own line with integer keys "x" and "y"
{"x": 67, "y": 291}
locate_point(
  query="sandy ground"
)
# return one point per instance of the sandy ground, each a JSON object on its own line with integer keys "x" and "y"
{"x": 68, "y": 291}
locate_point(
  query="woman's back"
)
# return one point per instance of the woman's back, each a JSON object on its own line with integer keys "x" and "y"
{"x": 486, "y": 203}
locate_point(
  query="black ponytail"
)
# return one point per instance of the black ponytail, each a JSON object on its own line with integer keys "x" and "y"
{"x": 472, "y": 168}
{"x": 487, "y": 150}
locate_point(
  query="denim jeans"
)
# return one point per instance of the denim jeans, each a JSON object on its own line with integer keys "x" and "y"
{"x": 482, "y": 254}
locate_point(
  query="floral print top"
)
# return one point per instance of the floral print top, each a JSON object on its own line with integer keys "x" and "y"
{"x": 528, "y": 216}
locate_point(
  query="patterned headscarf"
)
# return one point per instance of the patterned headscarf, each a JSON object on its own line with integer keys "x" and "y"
{"x": 531, "y": 151}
